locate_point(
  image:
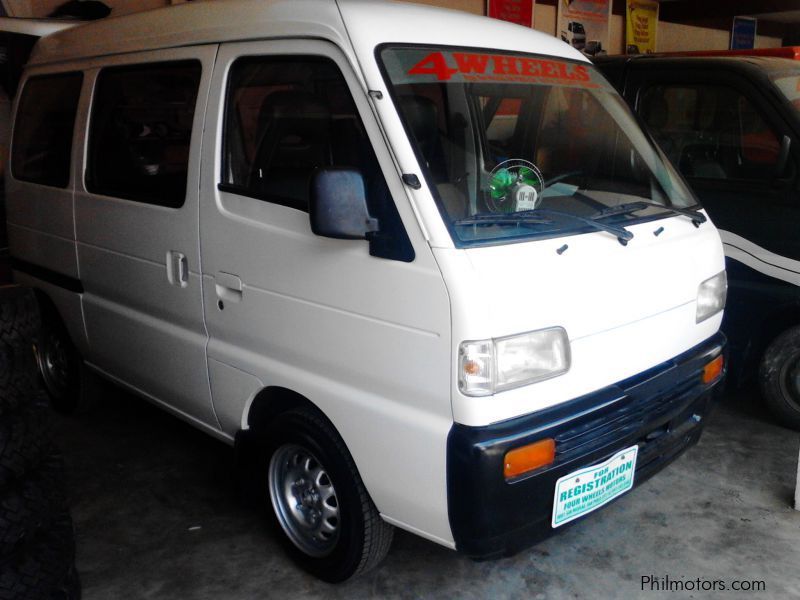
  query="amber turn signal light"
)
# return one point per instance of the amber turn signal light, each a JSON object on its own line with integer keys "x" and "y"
{"x": 530, "y": 457}
{"x": 713, "y": 370}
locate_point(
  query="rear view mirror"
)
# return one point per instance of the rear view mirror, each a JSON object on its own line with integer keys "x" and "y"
{"x": 338, "y": 205}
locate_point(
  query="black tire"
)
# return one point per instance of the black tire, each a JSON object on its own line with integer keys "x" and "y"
{"x": 30, "y": 505}
{"x": 363, "y": 538}
{"x": 25, "y": 441}
{"x": 19, "y": 328}
{"x": 60, "y": 366}
{"x": 779, "y": 376}
{"x": 19, "y": 315}
{"x": 43, "y": 568}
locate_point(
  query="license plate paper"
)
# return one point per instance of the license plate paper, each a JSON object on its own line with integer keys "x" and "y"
{"x": 590, "y": 488}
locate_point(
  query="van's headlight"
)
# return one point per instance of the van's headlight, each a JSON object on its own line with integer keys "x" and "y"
{"x": 711, "y": 296}
{"x": 489, "y": 366}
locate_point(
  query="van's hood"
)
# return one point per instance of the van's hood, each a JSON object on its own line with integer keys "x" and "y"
{"x": 596, "y": 283}
{"x": 625, "y": 308}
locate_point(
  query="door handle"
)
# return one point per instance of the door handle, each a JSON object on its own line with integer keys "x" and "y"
{"x": 228, "y": 286}
{"x": 177, "y": 268}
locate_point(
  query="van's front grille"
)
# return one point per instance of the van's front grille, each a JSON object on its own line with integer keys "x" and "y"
{"x": 639, "y": 410}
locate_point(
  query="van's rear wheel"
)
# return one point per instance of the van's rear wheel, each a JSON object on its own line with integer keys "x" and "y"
{"x": 59, "y": 366}
{"x": 330, "y": 526}
{"x": 780, "y": 377}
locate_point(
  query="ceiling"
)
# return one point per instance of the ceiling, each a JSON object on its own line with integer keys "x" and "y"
{"x": 786, "y": 16}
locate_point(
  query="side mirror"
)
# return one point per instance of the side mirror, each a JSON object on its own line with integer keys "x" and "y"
{"x": 338, "y": 205}
{"x": 783, "y": 158}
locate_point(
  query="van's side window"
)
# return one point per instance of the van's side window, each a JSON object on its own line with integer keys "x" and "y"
{"x": 42, "y": 145}
{"x": 711, "y": 131}
{"x": 286, "y": 117}
{"x": 141, "y": 130}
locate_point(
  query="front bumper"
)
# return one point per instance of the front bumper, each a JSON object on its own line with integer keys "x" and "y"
{"x": 661, "y": 410}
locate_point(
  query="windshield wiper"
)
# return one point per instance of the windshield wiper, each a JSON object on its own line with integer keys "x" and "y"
{"x": 630, "y": 207}
{"x": 504, "y": 219}
{"x": 623, "y": 235}
{"x": 539, "y": 216}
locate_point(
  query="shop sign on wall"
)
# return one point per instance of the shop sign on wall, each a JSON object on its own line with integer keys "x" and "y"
{"x": 743, "y": 34}
{"x": 584, "y": 24}
{"x": 515, "y": 11}
{"x": 640, "y": 28}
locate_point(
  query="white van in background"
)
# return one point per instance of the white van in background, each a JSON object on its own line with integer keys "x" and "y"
{"x": 574, "y": 35}
{"x": 295, "y": 225}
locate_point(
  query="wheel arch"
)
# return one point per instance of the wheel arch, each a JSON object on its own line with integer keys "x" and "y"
{"x": 47, "y": 307}
{"x": 272, "y": 401}
{"x": 268, "y": 404}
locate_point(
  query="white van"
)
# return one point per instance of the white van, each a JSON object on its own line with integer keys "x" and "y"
{"x": 295, "y": 225}
{"x": 574, "y": 35}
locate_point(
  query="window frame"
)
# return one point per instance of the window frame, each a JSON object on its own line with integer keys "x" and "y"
{"x": 242, "y": 190}
{"x": 749, "y": 81}
{"x": 13, "y": 147}
{"x": 140, "y": 65}
{"x": 723, "y": 87}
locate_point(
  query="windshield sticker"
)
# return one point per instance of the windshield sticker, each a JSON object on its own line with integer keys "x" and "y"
{"x": 418, "y": 66}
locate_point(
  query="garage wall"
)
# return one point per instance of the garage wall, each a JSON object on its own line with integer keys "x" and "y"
{"x": 671, "y": 36}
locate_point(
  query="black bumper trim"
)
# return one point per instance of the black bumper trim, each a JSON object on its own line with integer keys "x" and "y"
{"x": 661, "y": 410}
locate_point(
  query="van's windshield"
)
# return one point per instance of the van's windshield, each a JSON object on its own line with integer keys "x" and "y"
{"x": 519, "y": 146}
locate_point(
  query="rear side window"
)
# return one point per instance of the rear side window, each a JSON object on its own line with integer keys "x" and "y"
{"x": 42, "y": 145}
{"x": 141, "y": 131}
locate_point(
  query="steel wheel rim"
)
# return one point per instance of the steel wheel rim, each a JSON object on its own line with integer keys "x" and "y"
{"x": 53, "y": 360}
{"x": 790, "y": 381}
{"x": 304, "y": 500}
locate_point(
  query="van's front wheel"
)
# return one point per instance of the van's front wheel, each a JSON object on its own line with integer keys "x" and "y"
{"x": 780, "y": 377}
{"x": 330, "y": 526}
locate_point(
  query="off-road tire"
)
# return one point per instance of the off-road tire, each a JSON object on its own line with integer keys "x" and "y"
{"x": 30, "y": 505}
{"x": 25, "y": 440}
{"x": 43, "y": 567}
{"x": 19, "y": 330}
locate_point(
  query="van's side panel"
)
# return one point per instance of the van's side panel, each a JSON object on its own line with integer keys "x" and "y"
{"x": 144, "y": 319}
{"x": 366, "y": 339}
{"x": 41, "y": 229}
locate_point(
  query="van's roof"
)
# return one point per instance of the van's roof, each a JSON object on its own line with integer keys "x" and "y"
{"x": 368, "y": 23}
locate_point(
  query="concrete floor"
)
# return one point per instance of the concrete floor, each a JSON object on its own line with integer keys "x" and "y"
{"x": 157, "y": 516}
